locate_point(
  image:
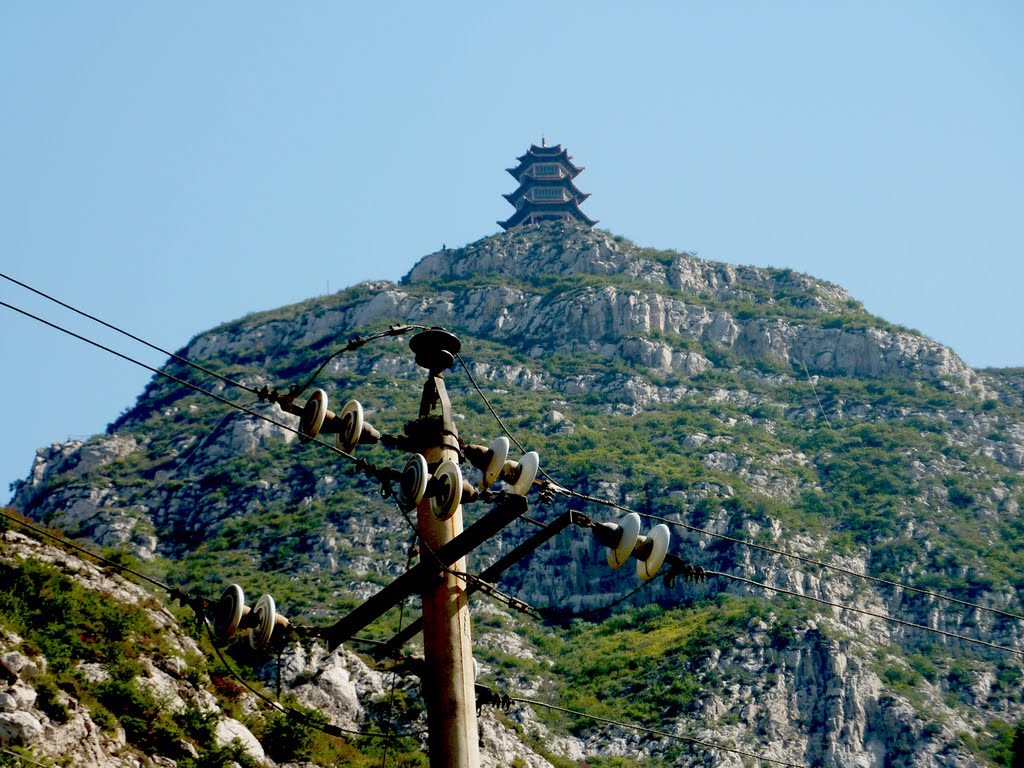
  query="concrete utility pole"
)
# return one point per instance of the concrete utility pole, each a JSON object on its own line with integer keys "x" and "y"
{"x": 448, "y": 678}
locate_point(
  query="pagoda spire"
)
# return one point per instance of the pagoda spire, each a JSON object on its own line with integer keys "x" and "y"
{"x": 546, "y": 189}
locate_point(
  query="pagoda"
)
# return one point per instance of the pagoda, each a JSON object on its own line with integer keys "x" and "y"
{"x": 546, "y": 191}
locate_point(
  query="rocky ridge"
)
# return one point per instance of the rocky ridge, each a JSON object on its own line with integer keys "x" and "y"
{"x": 781, "y": 379}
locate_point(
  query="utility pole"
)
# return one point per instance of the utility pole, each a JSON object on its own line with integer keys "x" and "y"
{"x": 432, "y": 484}
{"x": 448, "y": 678}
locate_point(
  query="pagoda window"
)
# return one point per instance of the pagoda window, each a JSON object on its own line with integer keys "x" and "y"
{"x": 547, "y": 194}
{"x": 547, "y": 171}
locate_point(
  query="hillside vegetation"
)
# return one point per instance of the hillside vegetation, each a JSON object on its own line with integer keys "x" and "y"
{"x": 755, "y": 404}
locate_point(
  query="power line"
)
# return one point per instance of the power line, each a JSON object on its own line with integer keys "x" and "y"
{"x": 331, "y": 730}
{"x": 176, "y": 592}
{"x": 328, "y": 728}
{"x": 372, "y": 471}
{"x": 71, "y": 545}
{"x": 184, "y": 383}
{"x": 554, "y": 615}
{"x": 866, "y": 612}
{"x": 354, "y": 343}
{"x": 562, "y": 490}
{"x": 840, "y": 569}
{"x": 680, "y": 567}
{"x": 655, "y": 732}
{"x": 801, "y": 558}
{"x": 123, "y": 332}
{"x": 490, "y": 408}
{"x": 384, "y": 476}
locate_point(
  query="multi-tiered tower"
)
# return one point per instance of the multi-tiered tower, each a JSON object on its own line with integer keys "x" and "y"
{"x": 546, "y": 190}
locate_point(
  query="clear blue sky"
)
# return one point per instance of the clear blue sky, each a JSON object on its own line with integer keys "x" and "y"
{"x": 170, "y": 167}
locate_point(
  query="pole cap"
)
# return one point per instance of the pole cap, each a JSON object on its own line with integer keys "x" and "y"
{"x": 435, "y": 349}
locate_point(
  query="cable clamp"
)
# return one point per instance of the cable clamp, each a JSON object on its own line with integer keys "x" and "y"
{"x": 488, "y": 697}
{"x": 690, "y": 573}
{"x": 580, "y": 520}
{"x": 547, "y": 492}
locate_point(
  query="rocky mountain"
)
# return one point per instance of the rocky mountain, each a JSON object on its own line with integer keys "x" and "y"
{"x": 760, "y": 412}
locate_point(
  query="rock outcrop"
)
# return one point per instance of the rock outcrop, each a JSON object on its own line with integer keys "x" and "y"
{"x": 737, "y": 404}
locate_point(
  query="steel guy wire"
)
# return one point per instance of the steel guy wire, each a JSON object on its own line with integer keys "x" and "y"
{"x": 818, "y": 399}
{"x": 655, "y": 732}
{"x": 563, "y": 491}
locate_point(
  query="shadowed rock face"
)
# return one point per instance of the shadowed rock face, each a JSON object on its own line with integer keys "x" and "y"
{"x": 638, "y": 338}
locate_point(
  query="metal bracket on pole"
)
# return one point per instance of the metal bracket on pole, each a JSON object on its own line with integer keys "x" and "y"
{"x": 412, "y": 580}
{"x": 547, "y": 533}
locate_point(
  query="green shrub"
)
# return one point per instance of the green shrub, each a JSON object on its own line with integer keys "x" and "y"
{"x": 147, "y": 724}
{"x": 288, "y": 737}
{"x": 48, "y": 700}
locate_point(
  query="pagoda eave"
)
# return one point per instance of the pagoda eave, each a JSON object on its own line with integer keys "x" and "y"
{"x": 554, "y": 212}
{"x": 572, "y": 171}
{"x": 564, "y": 183}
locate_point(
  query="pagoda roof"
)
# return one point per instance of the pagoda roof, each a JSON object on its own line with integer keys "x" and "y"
{"x": 542, "y": 151}
{"x": 558, "y": 210}
{"x": 535, "y": 154}
{"x": 566, "y": 183}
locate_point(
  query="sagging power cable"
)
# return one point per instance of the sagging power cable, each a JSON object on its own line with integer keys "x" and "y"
{"x": 655, "y": 732}
{"x": 866, "y": 612}
{"x": 264, "y": 393}
{"x": 361, "y": 464}
{"x": 199, "y": 605}
{"x": 561, "y": 490}
{"x": 329, "y": 728}
{"x": 130, "y": 335}
{"x": 679, "y": 567}
{"x": 384, "y": 476}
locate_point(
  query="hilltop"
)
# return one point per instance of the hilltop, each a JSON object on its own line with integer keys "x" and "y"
{"x": 754, "y": 403}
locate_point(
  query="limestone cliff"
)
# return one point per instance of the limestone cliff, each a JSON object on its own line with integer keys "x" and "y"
{"x": 750, "y": 403}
